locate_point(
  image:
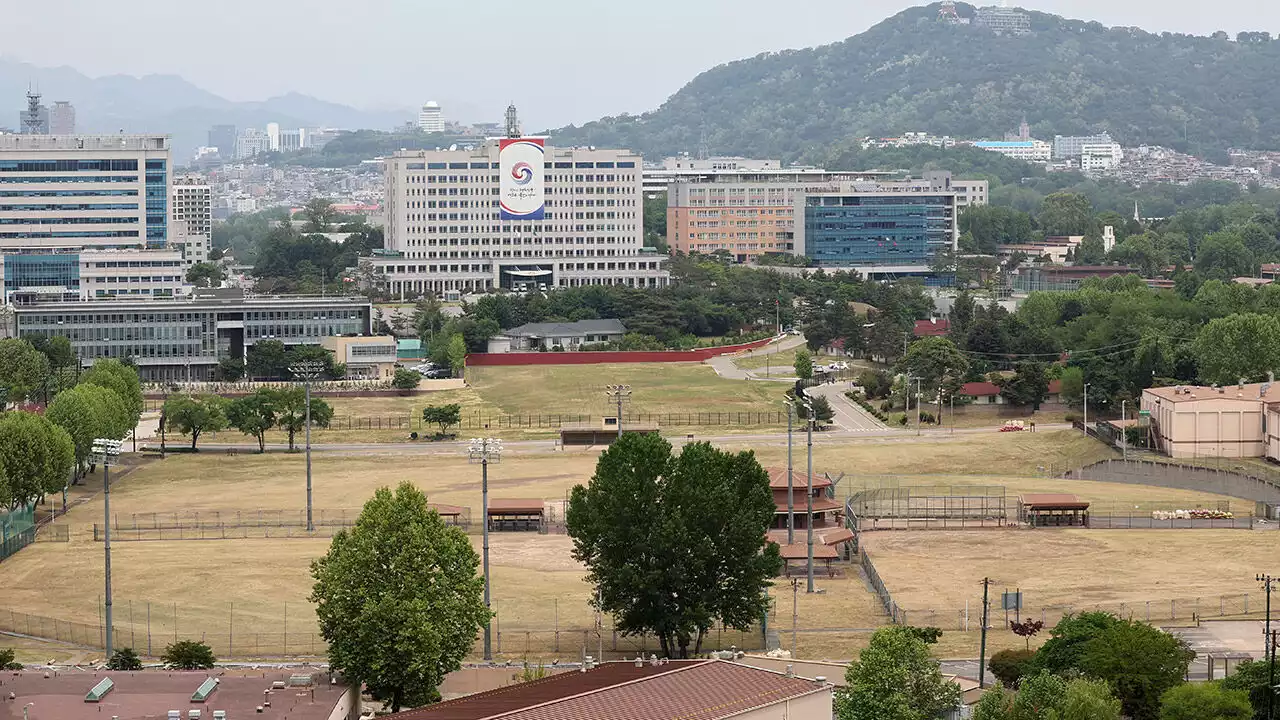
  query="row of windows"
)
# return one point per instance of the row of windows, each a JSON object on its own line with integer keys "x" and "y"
{"x": 67, "y": 193}
{"x": 136, "y": 264}
{"x": 53, "y": 207}
{"x": 564, "y": 267}
{"x": 128, "y": 220}
{"x": 144, "y": 279}
{"x": 85, "y": 234}
{"x": 68, "y": 165}
{"x": 72, "y": 179}
{"x": 603, "y": 165}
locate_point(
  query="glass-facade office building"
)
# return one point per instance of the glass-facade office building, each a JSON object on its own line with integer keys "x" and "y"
{"x": 183, "y": 339}
{"x": 872, "y": 229}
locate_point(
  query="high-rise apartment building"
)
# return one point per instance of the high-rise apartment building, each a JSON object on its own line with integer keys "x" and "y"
{"x": 273, "y": 137}
{"x": 431, "y": 118}
{"x": 443, "y": 222}
{"x": 62, "y": 118}
{"x": 192, "y": 218}
{"x": 61, "y": 195}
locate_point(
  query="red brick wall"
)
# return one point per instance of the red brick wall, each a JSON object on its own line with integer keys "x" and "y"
{"x": 595, "y": 358}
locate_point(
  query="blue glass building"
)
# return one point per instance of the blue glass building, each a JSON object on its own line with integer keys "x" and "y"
{"x": 869, "y": 229}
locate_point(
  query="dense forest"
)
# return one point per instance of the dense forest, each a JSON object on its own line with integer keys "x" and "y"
{"x": 914, "y": 72}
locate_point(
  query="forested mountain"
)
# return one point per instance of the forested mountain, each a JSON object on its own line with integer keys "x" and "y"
{"x": 915, "y": 72}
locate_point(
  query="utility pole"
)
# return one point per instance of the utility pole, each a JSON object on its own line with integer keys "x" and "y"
{"x": 919, "y": 398}
{"x": 791, "y": 510}
{"x": 1086, "y": 409}
{"x": 307, "y": 371}
{"x": 485, "y": 451}
{"x": 795, "y": 622}
{"x": 808, "y": 496}
{"x": 982, "y": 650}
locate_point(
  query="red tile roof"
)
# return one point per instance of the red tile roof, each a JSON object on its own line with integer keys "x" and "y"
{"x": 800, "y": 505}
{"x": 932, "y": 328}
{"x": 504, "y": 506}
{"x": 980, "y": 389}
{"x": 678, "y": 689}
{"x": 778, "y": 479}
{"x": 800, "y": 551}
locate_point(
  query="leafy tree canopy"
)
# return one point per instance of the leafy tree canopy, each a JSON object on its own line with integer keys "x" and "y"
{"x": 895, "y": 678}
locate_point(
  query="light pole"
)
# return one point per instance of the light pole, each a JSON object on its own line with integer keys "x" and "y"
{"x": 808, "y": 495}
{"x": 919, "y": 398}
{"x": 105, "y": 451}
{"x": 791, "y": 505}
{"x": 1086, "y": 409}
{"x": 1269, "y": 651}
{"x": 1124, "y": 435}
{"x": 307, "y": 371}
{"x": 619, "y": 394}
{"x": 485, "y": 451}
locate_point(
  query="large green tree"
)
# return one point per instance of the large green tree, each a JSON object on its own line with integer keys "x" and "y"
{"x": 87, "y": 413}
{"x": 932, "y": 359}
{"x": 1238, "y": 346}
{"x": 1029, "y": 386}
{"x": 674, "y": 543}
{"x": 399, "y": 599}
{"x": 120, "y": 379}
{"x": 205, "y": 275}
{"x": 23, "y": 369}
{"x": 895, "y": 678}
{"x": 291, "y": 412}
{"x": 1044, "y": 696}
{"x": 255, "y": 414}
{"x": 1224, "y": 256}
{"x": 1253, "y": 677}
{"x": 1066, "y": 213}
{"x": 37, "y": 457}
{"x": 195, "y": 414}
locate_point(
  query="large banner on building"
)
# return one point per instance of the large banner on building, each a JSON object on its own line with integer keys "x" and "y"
{"x": 520, "y": 162}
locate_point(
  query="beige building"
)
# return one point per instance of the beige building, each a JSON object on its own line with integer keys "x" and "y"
{"x": 366, "y": 357}
{"x": 1229, "y": 421}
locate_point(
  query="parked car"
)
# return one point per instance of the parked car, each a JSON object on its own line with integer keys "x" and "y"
{"x": 438, "y": 374}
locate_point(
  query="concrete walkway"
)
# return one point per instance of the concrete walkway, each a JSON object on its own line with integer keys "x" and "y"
{"x": 726, "y": 366}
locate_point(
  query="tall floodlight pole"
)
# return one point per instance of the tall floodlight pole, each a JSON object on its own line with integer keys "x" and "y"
{"x": 485, "y": 451}
{"x": 105, "y": 451}
{"x": 808, "y": 495}
{"x": 619, "y": 394}
{"x": 307, "y": 371}
{"x": 791, "y": 502}
{"x": 1268, "y": 583}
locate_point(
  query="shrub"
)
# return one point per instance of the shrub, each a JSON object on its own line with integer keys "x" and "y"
{"x": 902, "y": 420}
{"x": 1072, "y": 417}
{"x": 886, "y": 406}
{"x": 188, "y": 655}
{"x": 124, "y": 659}
{"x": 6, "y": 660}
{"x": 405, "y": 379}
{"x": 1009, "y": 665}
{"x": 927, "y": 417}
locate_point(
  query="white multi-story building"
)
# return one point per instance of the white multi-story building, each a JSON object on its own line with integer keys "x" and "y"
{"x": 1037, "y": 151}
{"x": 251, "y": 142}
{"x": 1100, "y": 157}
{"x": 442, "y": 223}
{"x": 1071, "y": 146}
{"x": 431, "y": 118}
{"x": 62, "y": 118}
{"x": 192, "y": 218}
{"x": 132, "y": 273}
{"x": 63, "y": 195}
{"x": 273, "y": 136}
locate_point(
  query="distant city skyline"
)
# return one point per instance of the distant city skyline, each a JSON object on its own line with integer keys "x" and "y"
{"x": 560, "y": 62}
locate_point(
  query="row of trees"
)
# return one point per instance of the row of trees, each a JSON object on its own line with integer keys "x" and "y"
{"x": 42, "y": 454}
{"x": 256, "y": 414}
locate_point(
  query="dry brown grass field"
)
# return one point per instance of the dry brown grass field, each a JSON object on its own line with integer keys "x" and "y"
{"x": 245, "y": 587}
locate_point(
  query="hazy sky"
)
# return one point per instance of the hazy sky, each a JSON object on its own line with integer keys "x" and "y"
{"x": 560, "y": 61}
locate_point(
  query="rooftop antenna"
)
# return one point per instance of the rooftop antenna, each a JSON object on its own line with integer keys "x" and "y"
{"x": 513, "y": 124}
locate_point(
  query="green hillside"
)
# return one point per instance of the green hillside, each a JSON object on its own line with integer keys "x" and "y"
{"x": 914, "y": 72}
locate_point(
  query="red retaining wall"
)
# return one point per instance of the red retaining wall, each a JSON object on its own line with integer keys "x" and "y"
{"x": 596, "y": 358}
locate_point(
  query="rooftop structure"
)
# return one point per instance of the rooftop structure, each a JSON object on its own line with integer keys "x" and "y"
{"x": 1225, "y": 421}
{"x": 1003, "y": 21}
{"x": 153, "y": 694}
{"x": 657, "y": 690}
{"x": 1028, "y": 150}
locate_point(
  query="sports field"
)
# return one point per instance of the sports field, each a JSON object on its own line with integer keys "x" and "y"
{"x": 936, "y": 572}
{"x": 242, "y": 590}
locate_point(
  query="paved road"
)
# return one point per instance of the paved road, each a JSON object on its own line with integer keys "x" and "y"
{"x": 849, "y": 416}
{"x": 726, "y": 367}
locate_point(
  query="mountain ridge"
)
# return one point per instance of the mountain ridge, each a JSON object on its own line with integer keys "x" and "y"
{"x": 172, "y": 105}
{"x": 914, "y": 72}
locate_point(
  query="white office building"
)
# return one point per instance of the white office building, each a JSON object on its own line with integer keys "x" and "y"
{"x": 431, "y": 118}
{"x": 63, "y": 195}
{"x": 1100, "y": 157}
{"x": 251, "y": 142}
{"x": 1072, "y": 146}
{"x": 192, "y": 228}
{"x": 1037, "y": 151}
{"x": 443, "y": 224}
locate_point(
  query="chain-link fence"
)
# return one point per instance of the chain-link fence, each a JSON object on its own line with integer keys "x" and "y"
{"x": 554, "y": 421}
{"x": 17, "y": 530}
{"x": 241, "y": 524}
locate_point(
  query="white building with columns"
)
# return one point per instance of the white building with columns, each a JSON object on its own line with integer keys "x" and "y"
{"x": 444, "y": 232}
